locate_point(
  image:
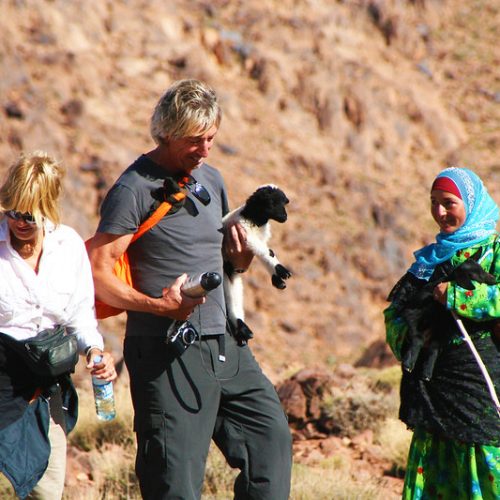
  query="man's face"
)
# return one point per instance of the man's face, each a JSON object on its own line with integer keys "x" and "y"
{"x": 188, "y": 153}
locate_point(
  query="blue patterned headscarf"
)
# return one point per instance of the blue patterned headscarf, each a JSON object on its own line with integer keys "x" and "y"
{"x": 481, "y": 218}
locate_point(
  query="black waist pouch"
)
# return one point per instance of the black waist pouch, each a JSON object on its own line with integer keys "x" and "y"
{"x": 51, "y": 353}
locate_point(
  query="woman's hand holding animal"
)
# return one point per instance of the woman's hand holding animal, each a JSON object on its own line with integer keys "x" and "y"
{"x": 440, "y": 293}
{"x": 105, "y": 369}
{"x": 174, "y": 304}
{"x": 235, "y": 248}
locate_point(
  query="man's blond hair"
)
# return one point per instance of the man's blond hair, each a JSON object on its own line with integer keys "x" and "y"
{"x": 188, "y": 108}
{"x": 33, "y": 184}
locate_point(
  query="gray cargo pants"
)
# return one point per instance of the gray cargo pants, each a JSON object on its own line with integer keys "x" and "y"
{"x": 181, "y": 403}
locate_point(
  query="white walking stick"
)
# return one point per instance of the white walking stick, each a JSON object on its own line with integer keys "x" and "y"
{"x": 484, "y": 371}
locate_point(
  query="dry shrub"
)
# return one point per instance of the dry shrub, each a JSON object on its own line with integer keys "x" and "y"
{"x": 219, "y": 477}
{"x": 394, "y": 439}
{"x": 91, "y": 433}
{"x": 363, "y": 403}
{"x": 116, "y": 476}
{"x": 388, "y": 378}
{"x": 350, "y": 414}
{"x": 312, "y": 483}
{"x": 110, "y": 448}
{"x": 6, "y": 490}
{"x": 308, "y": 482}
{"x": 112, "y": 476}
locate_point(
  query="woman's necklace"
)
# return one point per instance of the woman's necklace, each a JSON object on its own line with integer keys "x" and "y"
{"x": 29, "y": 250}
{"x": 24, "y": 249}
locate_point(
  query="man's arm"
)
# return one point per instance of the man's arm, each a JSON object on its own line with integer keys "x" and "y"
{"x": 104, "y": 251}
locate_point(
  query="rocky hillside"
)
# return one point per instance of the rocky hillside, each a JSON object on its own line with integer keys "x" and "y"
{"x": 351, "y": 106}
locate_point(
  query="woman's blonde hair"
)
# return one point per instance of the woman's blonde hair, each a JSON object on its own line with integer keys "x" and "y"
{"x": 187, "y": 108}
{"x": 33, "y": 184}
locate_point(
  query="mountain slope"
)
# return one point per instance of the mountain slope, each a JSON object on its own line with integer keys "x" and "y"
{"x": 350, "y": 106}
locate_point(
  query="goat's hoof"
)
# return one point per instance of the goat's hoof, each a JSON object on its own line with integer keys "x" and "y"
{"x": 243, "y": 332}
{"x": 408, "y": 364}
{"x": 278, "y": 282}
{"x": 282, "y": 272}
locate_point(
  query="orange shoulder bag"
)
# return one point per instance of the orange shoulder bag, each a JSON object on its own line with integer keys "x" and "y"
{"x": 122, "y": 265}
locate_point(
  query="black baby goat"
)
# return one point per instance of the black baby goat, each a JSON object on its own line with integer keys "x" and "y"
{"x": 413, "y": 299}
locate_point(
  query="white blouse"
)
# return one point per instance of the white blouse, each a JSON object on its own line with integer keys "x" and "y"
{"x": 62, "y": 293}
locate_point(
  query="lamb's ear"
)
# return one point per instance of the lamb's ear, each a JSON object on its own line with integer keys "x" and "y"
{"x": 465, "y": 282}
{"x": 476, "y": 255}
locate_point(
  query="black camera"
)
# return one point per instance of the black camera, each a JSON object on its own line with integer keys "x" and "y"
{"x": 181, "y": 335}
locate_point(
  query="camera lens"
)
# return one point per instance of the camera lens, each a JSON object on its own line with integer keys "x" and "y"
{"x": 188, "y": 335}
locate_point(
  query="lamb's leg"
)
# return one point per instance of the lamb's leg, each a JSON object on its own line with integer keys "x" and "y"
{"x": 411, "y": 353}
{"x": 414, "y": 341}
{"x": 279, "y": 273}
{"x": 429, "y": 361}
{"x": 233, "y": 292}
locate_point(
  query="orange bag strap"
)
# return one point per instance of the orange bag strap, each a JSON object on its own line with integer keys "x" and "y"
{"x": 157, "y": 215}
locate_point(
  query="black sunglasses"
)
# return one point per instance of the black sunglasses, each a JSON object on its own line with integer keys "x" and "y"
{"x": 26, "y": 217}
{"x": 198, "y": 190}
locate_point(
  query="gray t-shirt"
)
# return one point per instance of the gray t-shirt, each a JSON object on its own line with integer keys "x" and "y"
{"x": 187, "y": 241}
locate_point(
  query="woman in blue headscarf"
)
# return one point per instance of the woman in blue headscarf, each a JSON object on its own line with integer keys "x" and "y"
{"x": 455, "y": 450}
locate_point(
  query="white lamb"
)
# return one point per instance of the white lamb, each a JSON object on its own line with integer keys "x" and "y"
{"x": 266, "y": 203}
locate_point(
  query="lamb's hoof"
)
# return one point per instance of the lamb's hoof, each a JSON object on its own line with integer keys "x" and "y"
{"x": 407, "y": 369}
{"x": 282, "y": 272}
{"x": 243, "y": 332}
{"x": 409, "y": 361}
{"x": 278, "y": 282}
{"x": 429, "y": 364}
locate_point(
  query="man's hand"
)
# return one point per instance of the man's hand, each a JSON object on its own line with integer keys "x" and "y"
{"x": 235, "y": 247}
{"x": 106, "y": 249}
{"x": 174, "y": 303}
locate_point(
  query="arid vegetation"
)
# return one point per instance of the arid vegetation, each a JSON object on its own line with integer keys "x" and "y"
{"x": 337, "y": 459}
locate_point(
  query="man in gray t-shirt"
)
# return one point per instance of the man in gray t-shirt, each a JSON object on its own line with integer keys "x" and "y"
{"x": 214, "y": 389}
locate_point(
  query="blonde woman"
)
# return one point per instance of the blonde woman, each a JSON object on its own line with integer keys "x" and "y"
{"x": 45, "y": 284}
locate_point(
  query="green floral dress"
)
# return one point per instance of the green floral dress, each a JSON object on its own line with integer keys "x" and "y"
{"x": 455, "y": 450}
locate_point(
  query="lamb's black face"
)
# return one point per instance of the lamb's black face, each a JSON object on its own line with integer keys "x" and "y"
{"x": 277, "y": 205}
{"x": 266, "y": 203}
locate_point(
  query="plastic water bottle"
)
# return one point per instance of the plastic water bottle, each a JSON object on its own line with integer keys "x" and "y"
{"x": 103, "y": 396}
